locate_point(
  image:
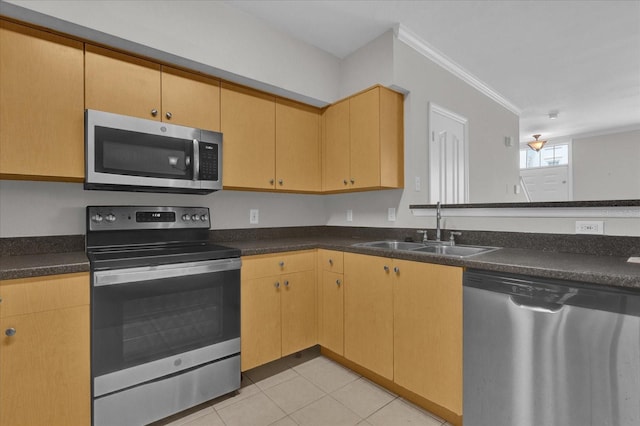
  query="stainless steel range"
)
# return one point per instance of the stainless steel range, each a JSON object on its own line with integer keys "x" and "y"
{"x": 165, "y": 312}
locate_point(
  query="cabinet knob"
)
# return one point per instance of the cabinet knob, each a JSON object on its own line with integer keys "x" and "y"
{"x": 345, "y": 181}
{"x": 169, "y": 115}
{"x": 154, "y": 112}
{"x": 353, "y": 181}
{"x": 396, "y": 270}
{"x": 338, "y": 282}
{"x": 286, "y": 283}
{"x": 277, "y": 284}
{"x": 281, "y": 264}
{"x": 271, "y": 181}
{"x": 280, "y": 181}
{"x": 386, "y": 268}
{"x": 330, "y": 263}
{"x": 10, "y": 332}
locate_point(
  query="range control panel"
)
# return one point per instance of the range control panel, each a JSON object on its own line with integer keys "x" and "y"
{"x": 114, "y": 218}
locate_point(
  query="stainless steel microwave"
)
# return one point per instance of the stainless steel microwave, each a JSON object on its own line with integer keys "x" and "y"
{"x": 133, "y": 154}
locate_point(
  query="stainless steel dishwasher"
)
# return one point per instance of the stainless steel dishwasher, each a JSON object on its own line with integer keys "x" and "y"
{"x": 549, "y": 353}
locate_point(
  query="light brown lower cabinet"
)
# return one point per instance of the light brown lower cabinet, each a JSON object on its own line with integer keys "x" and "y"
{"x": 403, "y": 322}
{"x": 278, "y": 306}
{"x": 44, "y": 354}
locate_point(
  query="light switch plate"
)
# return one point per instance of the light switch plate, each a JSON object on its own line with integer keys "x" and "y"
{"x": 254, "y": 216}
{"x": 349, "y": 215}
{"x": 391, "y": 214}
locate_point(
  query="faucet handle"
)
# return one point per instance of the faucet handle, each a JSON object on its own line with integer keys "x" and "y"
{"x": 452, "y": 236}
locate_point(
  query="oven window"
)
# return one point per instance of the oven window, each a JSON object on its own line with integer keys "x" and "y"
{"x": 138, "y": 154}
{"x": 135, "y": 323}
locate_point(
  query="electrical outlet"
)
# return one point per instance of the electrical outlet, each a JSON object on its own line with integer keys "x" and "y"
{"x": 595, "y": 227}
{"x": 391, "y": 214}
{"x": 254, "y": 216}
{"x": 349, "y": 215}
{"x": 418, "y": 184}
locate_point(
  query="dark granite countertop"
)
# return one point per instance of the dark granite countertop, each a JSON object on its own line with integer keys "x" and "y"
{"x": 35, "y": 265}
{"x": 603, "y": 270}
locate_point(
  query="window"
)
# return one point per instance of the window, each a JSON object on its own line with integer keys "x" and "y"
{"x": 549, "y": 156}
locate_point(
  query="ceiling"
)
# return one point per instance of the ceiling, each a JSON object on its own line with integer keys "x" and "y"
{"x": 579, "y": 58}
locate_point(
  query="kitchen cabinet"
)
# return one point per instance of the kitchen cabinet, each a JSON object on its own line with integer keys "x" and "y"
{"x": 368, "y": 312}
{"x": 331, "y": 300}
{"x": 297, "y": 147}
{"x": 427, "y": 319}
{"x": 370, "y": 141}
{"x": 248, "y": 123}
{"x": 44, "y": 355}
{"x": 41, "y": 107}
{"x": 403, "y": 321}
{"x": 269, "y": 143}
{"x": 123, "y": 84}
{"x": 278, "y": 309}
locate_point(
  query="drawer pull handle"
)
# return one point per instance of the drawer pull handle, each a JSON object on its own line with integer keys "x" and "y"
{"x": 386, "y": 268}
{"x": 338, "y": 282}
{"x": 281, "y": 264}
{"x": 396, "y": 270}
{"x": 10, "y": 332}
{"x": 286, "y": 283}
{"x": 330, "y": 261}
{"x": 277, "y": 284}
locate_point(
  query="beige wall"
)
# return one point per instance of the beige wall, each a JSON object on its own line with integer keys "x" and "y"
{"x": 606, "y": 167}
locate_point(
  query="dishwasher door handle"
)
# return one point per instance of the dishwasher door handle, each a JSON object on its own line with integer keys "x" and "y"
{"x": 536, "y": 306}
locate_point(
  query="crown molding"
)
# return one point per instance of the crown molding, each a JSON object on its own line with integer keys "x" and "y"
{"x": 412, "y": 40}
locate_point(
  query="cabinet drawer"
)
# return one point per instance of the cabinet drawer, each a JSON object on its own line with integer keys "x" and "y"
{"x": 275, "y": 264}
{"x": 331, "y": 260}
{"x": 39, "y": 294}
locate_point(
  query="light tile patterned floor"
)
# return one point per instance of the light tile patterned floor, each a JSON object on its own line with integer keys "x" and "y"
{"x": 307, "y": 390}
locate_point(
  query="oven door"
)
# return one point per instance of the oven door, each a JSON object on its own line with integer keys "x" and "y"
{"x": 149, "y": 322}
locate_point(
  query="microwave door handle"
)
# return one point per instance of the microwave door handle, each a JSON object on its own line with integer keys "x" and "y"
{"x": 196, "y": 159}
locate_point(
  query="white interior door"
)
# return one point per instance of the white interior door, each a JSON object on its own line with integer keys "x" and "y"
{"x": 547, "y": 183}
{"x": 448, "y": 157}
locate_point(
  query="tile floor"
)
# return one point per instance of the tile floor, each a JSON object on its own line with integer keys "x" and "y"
{"x": 307, "y": 390}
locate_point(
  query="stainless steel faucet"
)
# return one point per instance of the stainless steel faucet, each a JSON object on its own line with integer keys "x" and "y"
{"x": 438, "y": 217}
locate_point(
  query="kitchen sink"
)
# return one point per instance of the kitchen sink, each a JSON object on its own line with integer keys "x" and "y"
{"x": 391, "y": 245}
{"x": 439, "y": 248}
{"x": 455, "y": 251}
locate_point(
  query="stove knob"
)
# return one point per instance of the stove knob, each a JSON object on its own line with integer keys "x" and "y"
{"x": 204, "y": 217}
{"x": 195, "y": 217}
{"x": 186, "y": 217}
{"x": 110, "y": 218}
{"x": 96, "y": 218}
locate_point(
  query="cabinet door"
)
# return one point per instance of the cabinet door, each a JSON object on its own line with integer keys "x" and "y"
{"x": 332, "y": 305}
{"x": 190, "y": 100}
{"x": 298, "y": 303}
{"x": 368, "y": 313}
{"x": 336, "y": 153}
{"x": 365, "y": 139}
{"x": 428, "y": 332}
{"x": 45, "y": 369}
{"x": 41, "y": 106}
{"x": 260, "y": 321}
{"x": 44, "y": 366}
{"x": 121, "y": 84}
{"x": 297, "y": 147}
{"x": 247, "y": 120}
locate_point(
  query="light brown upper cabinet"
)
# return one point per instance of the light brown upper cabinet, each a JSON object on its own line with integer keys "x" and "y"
{"x": 269, "y": 143}
{"x": 248, "y": 122}
{"x": 371, "y": 138}
{"x": 127, "y": 85}
{"x": 297, "y": 147}
{"x": 41, "y": 107}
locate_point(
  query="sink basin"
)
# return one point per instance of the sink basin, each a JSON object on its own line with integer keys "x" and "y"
{"x": 454, "y": 251}
{"x": 440, "y": 248}
{"x": 391, "y": 245}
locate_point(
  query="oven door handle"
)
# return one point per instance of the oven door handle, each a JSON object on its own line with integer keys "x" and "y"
{"x": 148, "y": 273}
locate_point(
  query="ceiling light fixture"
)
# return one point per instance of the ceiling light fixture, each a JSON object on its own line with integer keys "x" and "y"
{"x": 553, "y": 115}
{"x": 537, "y": 144}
